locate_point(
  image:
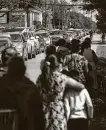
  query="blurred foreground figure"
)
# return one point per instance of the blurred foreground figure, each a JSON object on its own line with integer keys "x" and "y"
{"x": 25, "y": 98}
{"x": 52, "y": 84}
{"x": 6, "y": 55}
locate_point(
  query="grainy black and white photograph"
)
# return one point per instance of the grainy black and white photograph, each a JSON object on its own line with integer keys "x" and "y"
{"x": 52, "y": 64}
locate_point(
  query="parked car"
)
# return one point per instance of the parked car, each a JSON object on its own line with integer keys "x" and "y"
{"x": 56, "y": 34}
{"x": 26, "y": 35}
{"x": 35, "y": 41}
{"x": 42, "y": 44}
{"x": 45, "y": 35}
{"x": 4, "y": 42}
{"x": 19, "y": 43}
{"x": 32, "y": 50}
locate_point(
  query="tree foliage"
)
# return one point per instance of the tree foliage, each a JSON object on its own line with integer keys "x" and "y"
{"x": 100, "y": 6}
{"x": 80, "y": 21}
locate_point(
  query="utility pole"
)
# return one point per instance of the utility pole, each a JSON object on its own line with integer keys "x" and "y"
{"x": 45, "y": 13}
{"x": 62, "y": 14}
{"x": 54, "y": 13}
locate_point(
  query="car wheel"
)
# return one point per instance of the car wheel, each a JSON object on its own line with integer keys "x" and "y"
{"x": 25, "y": 55}
{"x": 30, "y": 55}
{"x": 39, "y": 50}
{"x": 34, "y": 55}
{"x": 36, "y": 52}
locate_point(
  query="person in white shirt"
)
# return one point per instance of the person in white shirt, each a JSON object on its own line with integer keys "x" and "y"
{"x": 78, "y": 108}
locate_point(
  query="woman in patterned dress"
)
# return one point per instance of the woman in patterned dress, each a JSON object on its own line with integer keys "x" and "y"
{"x": 51, "y": 84}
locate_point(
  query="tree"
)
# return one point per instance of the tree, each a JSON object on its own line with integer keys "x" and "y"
{"x": 79, "y": 21}
{"x": 100, "y": 6}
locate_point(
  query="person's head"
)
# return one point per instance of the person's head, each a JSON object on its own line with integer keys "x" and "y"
{"x": 75, "y": 47}
{"x": 87, "y": 43}
{"x": 74, "y": 74}
{"x": 50, "y": 50}
{"x": 7, "y": 54}
{"x": 50, "y": 65}
{"x": 16, "y": 67}
{"x": 61, "y": 42}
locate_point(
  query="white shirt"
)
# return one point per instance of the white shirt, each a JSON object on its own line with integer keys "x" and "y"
{"x": 75, "y": 104}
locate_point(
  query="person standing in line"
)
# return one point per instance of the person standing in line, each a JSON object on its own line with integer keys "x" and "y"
{"x": 6, "y": 55}
{"x": 92, "y": 59}
{"x": 75, "y": 61}
{"x": 78, "y": 107}
{"x": 51, "y": 84}
{"x": 49, "y": 51}
{"x": 27, "y": 102}
{"x": 91, "y": 34}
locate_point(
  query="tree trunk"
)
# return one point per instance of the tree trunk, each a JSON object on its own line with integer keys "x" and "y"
{"x": 103, "y": 37}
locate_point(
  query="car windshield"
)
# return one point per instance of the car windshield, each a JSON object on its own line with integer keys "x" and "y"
{"x": 3, "y": 42}
{"x": 16, "y": 38}
{"x": 43, "y": 34}
{"x": 56, "y": 32}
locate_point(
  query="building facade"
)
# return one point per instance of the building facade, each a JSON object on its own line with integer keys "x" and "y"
{"x": 20, "y": 18}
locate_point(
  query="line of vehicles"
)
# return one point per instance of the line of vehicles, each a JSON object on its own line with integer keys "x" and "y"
{"x": 29, "y": 43}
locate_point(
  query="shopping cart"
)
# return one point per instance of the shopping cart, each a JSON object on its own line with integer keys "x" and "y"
{"x": 8, "y": 119}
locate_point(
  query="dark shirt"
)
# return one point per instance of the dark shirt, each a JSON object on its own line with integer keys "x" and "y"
{"x": 23, "y": 96}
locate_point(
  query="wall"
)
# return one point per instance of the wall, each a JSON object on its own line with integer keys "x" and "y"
{"x": 19, "y": 18}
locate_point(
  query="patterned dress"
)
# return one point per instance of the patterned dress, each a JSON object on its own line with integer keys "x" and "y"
{"x": 53, "y": 105}
{"x": 79, "y": 63}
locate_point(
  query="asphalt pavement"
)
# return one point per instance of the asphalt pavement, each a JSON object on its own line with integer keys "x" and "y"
{"x": 33, "y": 67}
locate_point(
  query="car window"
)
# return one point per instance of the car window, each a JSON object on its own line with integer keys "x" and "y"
{"x": 29, "y": 34}
{"x": 56, "y": 32}
{"x": 3, "y": 44}
{"x": 16, "y": 38}
{"x": 44, "y": 35}
{"x": 25, "y": 35}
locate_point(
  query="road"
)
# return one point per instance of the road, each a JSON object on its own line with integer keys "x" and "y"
{"x": 33, "y": 67}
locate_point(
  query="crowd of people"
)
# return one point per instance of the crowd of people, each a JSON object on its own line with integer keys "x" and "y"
{"x": 60, "y": 99}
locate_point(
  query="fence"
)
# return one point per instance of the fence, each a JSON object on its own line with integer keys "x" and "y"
{"x": 8, "y": 119}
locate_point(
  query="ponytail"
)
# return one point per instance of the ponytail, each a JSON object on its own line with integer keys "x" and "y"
{"x": 50, "y": 65}
{"x": 46, "y": 76}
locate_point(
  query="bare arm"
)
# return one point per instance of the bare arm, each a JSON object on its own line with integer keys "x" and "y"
{"x": 73, "y": 84}
{"x": 66, "y": 107}
{"x": 86, "y": 66}
{"x": 89, "y": 104}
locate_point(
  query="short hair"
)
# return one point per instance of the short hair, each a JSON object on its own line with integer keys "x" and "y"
{"x": 8, "y": 53}
{"x": 86, "y": 43}
{"x": 75, "y": 45}
{"x": 61, "y": 42}
{"x": 50, "y": 50}
{"x": 16, "y": 67}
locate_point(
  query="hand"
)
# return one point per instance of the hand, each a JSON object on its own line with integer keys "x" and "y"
{"x": 89, "y": 122}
